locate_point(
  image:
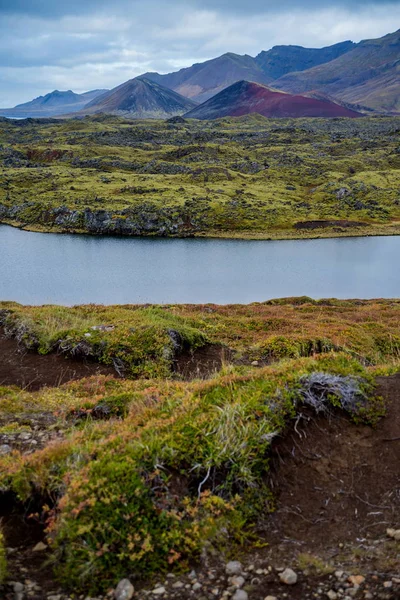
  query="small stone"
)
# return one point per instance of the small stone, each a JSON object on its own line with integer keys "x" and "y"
{"x": 159, "y": 591}
{"x": 368, "y": 596}
{"x": 40, "y": 546}
{"x": 18, "y": 587}
{"x": 339, "y": 574}
{"x": 54, "y": 597}
{"x": 260, "y": 572}
{"x": 254, "y": 363}
{"x": 387, "y": 584}
{"x": 124, "y": 590}
{"x": 240, "y": 595}
{"x": 196, "y": 586}
{"x": 394, "y": 533}
{"x": 271, "y": 598}
{"x": 5, "y": 449}
{"x": 234, "y": 567}
{"x": 332, "y": 595}
{"x": 178, "y": 584}
{"x": 192, "y": 575}
{"x": 238, "y": 581}
{"x": 356, "y": 580}
{"x": 288, "y": 577}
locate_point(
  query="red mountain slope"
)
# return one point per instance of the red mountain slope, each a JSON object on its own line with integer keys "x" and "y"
{"x": 245, "y": 97}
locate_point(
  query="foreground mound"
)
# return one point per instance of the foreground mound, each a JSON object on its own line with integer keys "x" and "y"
{"x": 146, "y": 473}
{"x": 246, "y": 97}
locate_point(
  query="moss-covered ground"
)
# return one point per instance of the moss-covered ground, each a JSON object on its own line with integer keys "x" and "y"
{"x": 145, "y": 470}
{"x": 243, "y": 177}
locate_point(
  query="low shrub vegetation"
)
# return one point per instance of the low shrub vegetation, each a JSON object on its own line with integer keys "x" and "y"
{"x": 181, "y": 464}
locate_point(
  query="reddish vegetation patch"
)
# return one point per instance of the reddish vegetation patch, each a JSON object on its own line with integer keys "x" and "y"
{"x": 323, "y": 224}
{"x": 32, "y": 371}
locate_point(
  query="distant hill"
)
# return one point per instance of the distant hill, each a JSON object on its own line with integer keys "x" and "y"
{"x": 52, "y": 104}
{"x": 140, "y": 98}
{"x": 245, "y": 97}
{"x": 203, "y": 80}
{"x": 368, "y": 74}
{"x": 281, "y": 60}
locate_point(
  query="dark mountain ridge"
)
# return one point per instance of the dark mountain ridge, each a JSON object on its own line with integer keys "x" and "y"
{"x": 52, "y": 104}
{"x": 368, "y": 74}
{"x": 281, "y": 60}
{"x": 203, "y": 80}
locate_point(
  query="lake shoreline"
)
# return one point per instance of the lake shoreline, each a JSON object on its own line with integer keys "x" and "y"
{"x": 274, "y": 235}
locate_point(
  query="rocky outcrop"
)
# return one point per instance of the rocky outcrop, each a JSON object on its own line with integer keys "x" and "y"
{"x": 143, "y": 220}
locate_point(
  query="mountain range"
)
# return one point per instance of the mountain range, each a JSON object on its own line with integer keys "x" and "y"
{"x": 350, "y": 77}
{"x": 51, "y": 105}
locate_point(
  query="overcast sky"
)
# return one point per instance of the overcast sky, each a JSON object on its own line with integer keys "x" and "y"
{"x": 88, "y": 44}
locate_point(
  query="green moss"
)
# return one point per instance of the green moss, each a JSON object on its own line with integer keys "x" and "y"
{"x": 244, "y": 177}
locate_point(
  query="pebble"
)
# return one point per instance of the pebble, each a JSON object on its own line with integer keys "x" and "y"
{"x": 124, "y": 590}
{"x": 387, "y": 584}
{"x": 177, "y": 585}
{"x": 271, "y": 598}
{"x": 196, "y": 586}
{"x": 238, "y": 581}
{"x": 18, "y": 587}
{"x": 288, "y": 577}
{"x": 159, "y": 591}
{"x": 356, "y": 580}
{"x": 234, "y": 567}
{"x": 40, "y": 546}
{"x": 339, "y": 574}
{"x": 332, "y": 595}
{"x": 394, "y": 533}
{"x": 240, "y": 595}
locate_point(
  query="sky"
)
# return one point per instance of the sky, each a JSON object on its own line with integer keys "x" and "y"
{"x": 90, "y": 44}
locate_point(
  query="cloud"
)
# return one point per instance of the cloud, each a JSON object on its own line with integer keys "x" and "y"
{"x": 79, "y": 45}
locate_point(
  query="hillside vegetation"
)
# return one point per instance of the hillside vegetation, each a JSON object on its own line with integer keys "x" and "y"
{"x": 234, "y": 177}
{"x": 141, "y": 475}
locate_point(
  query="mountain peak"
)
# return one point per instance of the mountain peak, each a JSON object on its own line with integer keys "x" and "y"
{"x": 140, "y": 98}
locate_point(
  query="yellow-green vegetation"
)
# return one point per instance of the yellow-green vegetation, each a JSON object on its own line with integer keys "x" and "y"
{"x": 145, "y": 341}
{"x": 145, "y": 471}
{"x": 236, "y": 177}
{"x": 3, "y": 561}
{"x": 184, "y": 463}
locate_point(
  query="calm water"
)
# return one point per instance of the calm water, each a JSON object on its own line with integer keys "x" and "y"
{"x": 38, "y": 268}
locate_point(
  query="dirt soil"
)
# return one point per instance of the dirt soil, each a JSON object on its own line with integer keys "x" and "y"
{"x": 32, "y": 371}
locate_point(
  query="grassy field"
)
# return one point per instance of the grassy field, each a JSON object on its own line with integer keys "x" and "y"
{"x": 145, "y": 340}
{"x": 144, "y": 470}
{"x": 246, "y": 177}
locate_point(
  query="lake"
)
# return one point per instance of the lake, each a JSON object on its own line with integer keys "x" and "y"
{"x": 38, "y": 268}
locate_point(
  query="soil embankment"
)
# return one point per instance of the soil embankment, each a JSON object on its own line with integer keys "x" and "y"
{"x": 32, "y": 371}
